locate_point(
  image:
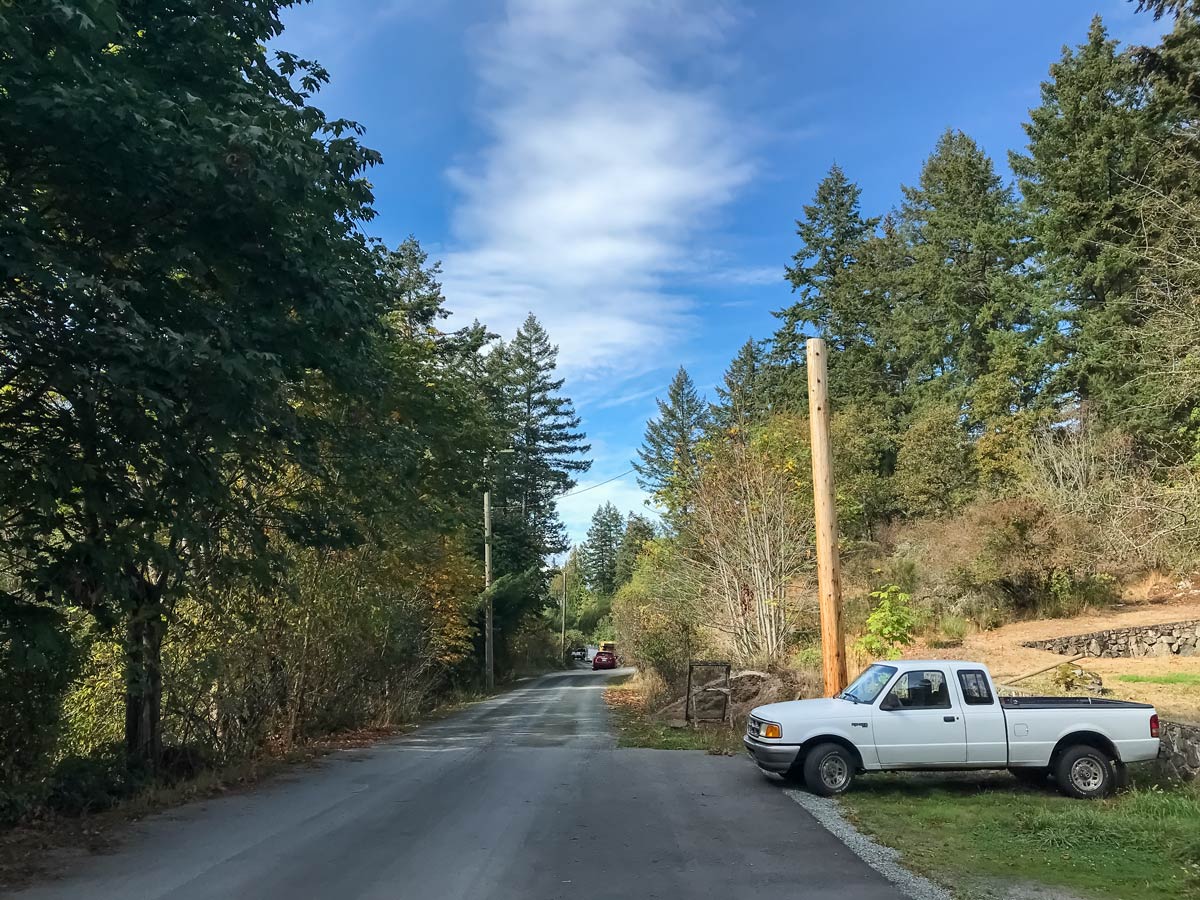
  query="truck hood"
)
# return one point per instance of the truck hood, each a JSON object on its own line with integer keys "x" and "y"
{"x": 822, "y": 708}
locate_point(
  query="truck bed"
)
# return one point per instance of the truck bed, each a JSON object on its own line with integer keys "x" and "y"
{"x": 1069, "y": 703}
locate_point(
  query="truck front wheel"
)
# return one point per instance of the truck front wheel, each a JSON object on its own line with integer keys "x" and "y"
{"x": 1084, "y": 772}
{"x": 828, "y": 769}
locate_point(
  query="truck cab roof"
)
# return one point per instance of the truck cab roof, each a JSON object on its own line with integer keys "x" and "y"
{"x": 907, "y": 665}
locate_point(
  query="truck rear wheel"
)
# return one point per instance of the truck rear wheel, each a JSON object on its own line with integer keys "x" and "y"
{"x": 828, "y": 769}
{"x": 1085, "y": 773}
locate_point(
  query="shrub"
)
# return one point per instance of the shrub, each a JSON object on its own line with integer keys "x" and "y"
{"x": 656, "y": 615}
{"x": 84, "y": 784}
{"x": 37, "y": 661}
{"x": 890, "y": 625}
{"x": 952, "y": 631}
{"x": 806, "y": 658}
{"x": 1069, "y": 594}
{"x": 1139, "y": 512}
{"x": 935, "y": 465}
{"x": 1008, "y": 558}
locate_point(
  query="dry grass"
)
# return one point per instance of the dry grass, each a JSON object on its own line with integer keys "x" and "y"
{"x": 631, "y": 706}
{"x": 1001, "y": 649}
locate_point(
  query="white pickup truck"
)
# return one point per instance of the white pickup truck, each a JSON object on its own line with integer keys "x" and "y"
{"x": 946, "y": 714}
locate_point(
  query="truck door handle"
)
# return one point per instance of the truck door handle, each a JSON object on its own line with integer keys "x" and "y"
{"x": 949, "y": 718}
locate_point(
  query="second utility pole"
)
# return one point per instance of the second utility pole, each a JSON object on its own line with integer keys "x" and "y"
{"x": 488, "y": 653}
{"x": 829, "y": 577}
{"x": 566, "y": 563}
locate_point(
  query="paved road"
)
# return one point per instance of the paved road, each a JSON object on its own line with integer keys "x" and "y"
{"x": 523, "y": 797}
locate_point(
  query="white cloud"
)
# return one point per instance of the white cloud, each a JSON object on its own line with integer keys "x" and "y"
{"x": 605, "y": 160}
{"x": 333, "y": 31}
{"x": 612, "y": 400}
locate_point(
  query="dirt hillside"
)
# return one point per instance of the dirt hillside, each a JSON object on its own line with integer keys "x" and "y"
{"x": 1002, "y": 650}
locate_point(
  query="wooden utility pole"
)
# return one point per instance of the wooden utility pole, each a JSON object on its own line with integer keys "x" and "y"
{"x": 489, "y": 661}
{"x": 563, "y": 651}
{"x": 829, "y": 575}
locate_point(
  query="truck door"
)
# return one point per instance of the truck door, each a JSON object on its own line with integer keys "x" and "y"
{"x": 987, "y": 738}
{"x": 919, "y": 723}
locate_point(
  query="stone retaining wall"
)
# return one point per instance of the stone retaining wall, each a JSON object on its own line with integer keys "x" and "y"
{"x": 1180, "y": 755}
{"x": 1171, "y": 639}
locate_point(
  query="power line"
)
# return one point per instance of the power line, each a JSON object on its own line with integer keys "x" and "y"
{"x": 591, "y": 487}
{"x": 594, "y": 486}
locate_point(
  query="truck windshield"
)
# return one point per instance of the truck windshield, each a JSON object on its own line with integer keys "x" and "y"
{"x": 867, "y": 686}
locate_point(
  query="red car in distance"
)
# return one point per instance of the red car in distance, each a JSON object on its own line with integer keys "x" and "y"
{"x": 604, "y": 660}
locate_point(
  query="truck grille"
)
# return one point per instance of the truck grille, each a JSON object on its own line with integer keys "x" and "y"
{"x": 753, "y": 727}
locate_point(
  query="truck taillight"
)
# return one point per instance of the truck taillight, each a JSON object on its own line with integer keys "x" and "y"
{"x": 1154, "y": 725}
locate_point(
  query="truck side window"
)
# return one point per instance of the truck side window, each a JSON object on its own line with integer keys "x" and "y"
{"x": 976, "y": 691}
{"x": 922, "y": 690}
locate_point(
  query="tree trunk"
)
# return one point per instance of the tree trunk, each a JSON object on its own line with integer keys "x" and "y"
{"x": 143, "y": 684}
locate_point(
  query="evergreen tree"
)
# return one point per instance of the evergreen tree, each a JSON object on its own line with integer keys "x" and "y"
{"x": 668, "y": 460}
{"x": 1167, "y": 312}
{"x": 598, "y": 556}
{"x": 743, "y": 395}
{"x": 639, "y": 531}
{"x": 1177, "y": 8}
{"x": 832, "y": 234}
{"x": 970, "y": 328}
{"x": 548, "y": 446}
{"x": 1091, "y": 144}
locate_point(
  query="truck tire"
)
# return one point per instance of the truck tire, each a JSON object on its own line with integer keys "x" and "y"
{"x": 829, "y": 769}
{"x": 1085, "y": 773}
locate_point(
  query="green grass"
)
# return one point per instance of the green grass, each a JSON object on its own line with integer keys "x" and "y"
{"x": 976, "y": 830}
{"x": 637, "y": 729}
{"x": 1189, "y": 678}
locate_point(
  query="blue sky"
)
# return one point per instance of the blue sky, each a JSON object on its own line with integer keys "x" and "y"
{"x": 631, "y": 171}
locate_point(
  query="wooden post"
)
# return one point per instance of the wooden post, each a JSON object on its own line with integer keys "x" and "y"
{"x": 829, "y": 576}
{"x": 563, "y": 642}
{"x": 489, "y": 661}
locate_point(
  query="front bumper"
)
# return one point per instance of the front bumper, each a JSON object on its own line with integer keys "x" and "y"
{"x": 777, "y": 758}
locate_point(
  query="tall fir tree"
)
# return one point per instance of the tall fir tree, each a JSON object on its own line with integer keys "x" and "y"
{"x": 975, "y": 331}
{"x": 1167, "y": 312}
{"x": 1177, "y": 8}
{"x": 971, "y": 326}
{"x": 832, "y": 234}
{"x": 668, "y": 463}
{"x": 743, "y": 399}
{"x": 542, "y": 429}
{"x": 1092, "y": 143}
{"x": 598, "y": 556}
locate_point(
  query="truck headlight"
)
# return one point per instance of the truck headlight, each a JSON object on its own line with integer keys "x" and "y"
{"x": 771, "y": 730}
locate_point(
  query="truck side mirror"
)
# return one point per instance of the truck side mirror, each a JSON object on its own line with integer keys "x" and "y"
{"x": 889, "y": 703}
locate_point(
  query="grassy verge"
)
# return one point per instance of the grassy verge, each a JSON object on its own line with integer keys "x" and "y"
{"x": 977, "y": 832}
{"x": 636, "y": 726}
{"x": 1188, "y": 678}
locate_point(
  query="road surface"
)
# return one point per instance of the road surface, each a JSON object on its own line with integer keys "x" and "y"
{"x": 522, "y": 797}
